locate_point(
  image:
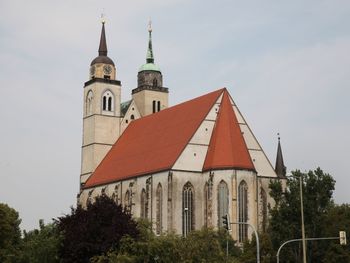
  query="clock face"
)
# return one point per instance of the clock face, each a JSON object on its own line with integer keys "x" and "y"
{"x": 107, "y": 69}
{"x": 92, "y": 70}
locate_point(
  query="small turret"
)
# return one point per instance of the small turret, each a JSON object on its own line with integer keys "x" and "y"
{"x": 280, "y": 168}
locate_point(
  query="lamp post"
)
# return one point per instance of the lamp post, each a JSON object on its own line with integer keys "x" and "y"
{"x": 296, "y": 240}
{"x": 302, "y": 217}
{"x": 302, "y": 214}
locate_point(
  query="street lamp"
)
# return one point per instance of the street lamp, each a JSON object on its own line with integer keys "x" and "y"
{"x": 302, "y": 214}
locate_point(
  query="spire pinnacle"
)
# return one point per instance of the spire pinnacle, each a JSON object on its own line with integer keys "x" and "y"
{"x": 280, "y": 169}
{"x": 149, "y": 57}
{"x": 102, "y": 50}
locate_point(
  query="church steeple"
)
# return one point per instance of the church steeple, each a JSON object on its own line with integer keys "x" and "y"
{"x": 150, "y": 96}
{"x": 149, "y": 66}
{"x": 280, "y": 169}
{"x": 102, "y": 50}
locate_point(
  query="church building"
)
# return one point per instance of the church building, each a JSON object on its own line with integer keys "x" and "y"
{"x": 182, "y": 167}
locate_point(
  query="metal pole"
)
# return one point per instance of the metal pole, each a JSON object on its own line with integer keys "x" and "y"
{"x": 256, "y": 237}
{"x": 300, "y": 239}
{"x": 302, "y": 217}
{"x": 227, "y": 246}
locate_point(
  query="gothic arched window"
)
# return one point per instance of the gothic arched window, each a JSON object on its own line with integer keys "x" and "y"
{"x": 89, "y": 102}
{"x": 263, "y": 200}
{"x": 144, "y": 209}
{"x": 155, "y": 82}
{"x": 107, "y": 101}
{"x": 159, "y": 202}
{"x": 127, "y": 201}
{"x": 222, "y": 202}
{"x": 188, "y": 220}
{"x": 243, "y": 211}
{"x": 158, "y": 105}
{"x": 115, "y": 196}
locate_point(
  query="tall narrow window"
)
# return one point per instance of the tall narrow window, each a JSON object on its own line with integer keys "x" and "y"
{"x": 115, "y": 196}
{"x": 188, "y": 219}
{"x": 127, "y": 201}
{"x": 104, "y": 103}
{"x": 222, "y": 202}
{"x": 143, "y": 204}
{"x": 243, "y": 211}
{"x": 154, "y": 106}
{"x": 206, "y": 204}
{"x": 89, "y": 102}
{"x": 108, "y": 101}
{"x": 159, "y": 199}
{"x": 263, "y": 198}
{"x": 158, "y": 105}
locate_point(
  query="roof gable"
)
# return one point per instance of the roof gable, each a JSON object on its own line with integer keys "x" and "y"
{"x": 227, "y": 148}
{"x": 153, "y": 143}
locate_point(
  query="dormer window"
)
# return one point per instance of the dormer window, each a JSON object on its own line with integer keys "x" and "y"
{"x": 107, "y": 101}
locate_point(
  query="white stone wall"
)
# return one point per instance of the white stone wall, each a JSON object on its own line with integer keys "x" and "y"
{"x": 126, "y": 120}
{"x": 145, "y": 98}
{"x": 172, "y": 204}
{"x": 101, "y": 129}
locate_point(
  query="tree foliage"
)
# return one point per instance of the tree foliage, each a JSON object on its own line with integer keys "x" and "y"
{"x": 94, "y": 230}
{"x": 285, "y": 222}
{"x": 10, "y": 233}
{"x": 205, "y": 245}
{"x": 40, "y": 245}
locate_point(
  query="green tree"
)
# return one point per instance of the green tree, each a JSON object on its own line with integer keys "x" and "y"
{"x": 285, "y": 222}
{"x": 10, "y": 233}
{"x": 41, "y": 245}
{"x": 338, "y": 219}
{"x": 94, "y": 230}
{"x": 205, "y": 245}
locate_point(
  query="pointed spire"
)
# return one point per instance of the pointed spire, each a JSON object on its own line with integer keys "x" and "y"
{"x": 280, "y": 169}
{"x": 149, "y": 57}
{"x": 102, "y": 50}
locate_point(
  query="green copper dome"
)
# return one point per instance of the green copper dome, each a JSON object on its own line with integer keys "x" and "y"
{"x": 149, "y": 66}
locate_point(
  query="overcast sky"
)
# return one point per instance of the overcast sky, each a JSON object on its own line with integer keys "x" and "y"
{"x": 285, "y": 63}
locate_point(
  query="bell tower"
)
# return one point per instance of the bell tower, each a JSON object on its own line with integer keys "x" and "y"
{"x": 101, "y": 113}
{"x": 150, "y": 96}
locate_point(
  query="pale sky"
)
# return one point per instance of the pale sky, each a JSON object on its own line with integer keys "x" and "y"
{"x": 285, "y": 63}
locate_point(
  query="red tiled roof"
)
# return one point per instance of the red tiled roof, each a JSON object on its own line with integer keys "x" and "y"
{"x": 227, "y": 147}
{"x": 153, "y": 143}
